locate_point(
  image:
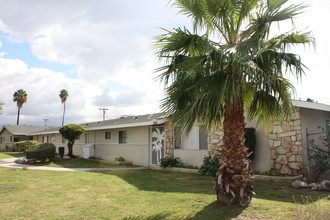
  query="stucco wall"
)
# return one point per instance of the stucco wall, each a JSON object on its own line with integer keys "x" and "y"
{"x": 6, "y": 134}
{"x": 136, "y": 150}
{"x": 314, "y": 121}
{"x": 191, "y": 157}
{"x": 261, "y": 160}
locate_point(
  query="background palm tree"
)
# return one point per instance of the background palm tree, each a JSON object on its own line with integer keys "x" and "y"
{"x": 63, "y": 95}
{"x": 212, "y": 80}
{"x": 1, "y": 106}
{"x": 20, "y": 97}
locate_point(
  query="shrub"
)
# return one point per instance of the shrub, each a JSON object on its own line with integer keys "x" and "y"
{"x": 120, "y": 159}
{"x": 41, "y": 152}
{"x": 320, "y": 156}
{"x": 22, "y": 146}
{"x": 210, "y": 166}
{"x": 170, "y": 162}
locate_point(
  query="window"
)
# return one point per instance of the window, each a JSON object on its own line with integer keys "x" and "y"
{"x": 177, "y": 139}
{"x": 63, "y": 140}
{"x": 53, "y": 138}
{"x": 88, "y": 138}
{"x": 44, "y": 139}
{"x": 123, "y": 137}
{"x": 2, "y": 140}
{"x": 107, "y": 135}
{"x": 11, "y": 138}
{"x": 196, "y": 139}
{"x": 202, "y": 138}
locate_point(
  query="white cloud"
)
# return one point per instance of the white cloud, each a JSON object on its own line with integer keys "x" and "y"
{"x": 109, "y": 47}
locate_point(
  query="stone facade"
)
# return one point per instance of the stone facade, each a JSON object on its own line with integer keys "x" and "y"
{"x": 285, "y": 142}
{"x": 215, "y": 142}
{"x": 169, "y": 140}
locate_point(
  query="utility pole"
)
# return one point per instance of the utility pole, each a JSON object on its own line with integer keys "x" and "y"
{"x": 103, "y": 109}
{"x": 45, "y": 120}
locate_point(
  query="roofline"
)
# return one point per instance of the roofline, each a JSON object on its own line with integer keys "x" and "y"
{"x": 129, "y": 125}
{"x": 96, "y": 128}
{"x": 311, "y": 105}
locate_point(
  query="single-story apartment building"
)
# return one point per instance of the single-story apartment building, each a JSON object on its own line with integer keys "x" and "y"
{"x": 9, "y": 134}
{"x": 145, "y": 139}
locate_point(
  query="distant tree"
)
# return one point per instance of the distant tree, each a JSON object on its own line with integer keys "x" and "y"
{"x": 20, "y": 97}
{"x": 63, "y": 95}
{"x": 1, "y": 106}
{"x": 71, "y": 132}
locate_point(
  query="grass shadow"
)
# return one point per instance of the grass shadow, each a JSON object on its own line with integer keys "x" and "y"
{"x": 161, "y": 216}
{"x": 160, "y": 181}
{"x": 213, "y": 211}
{"x": 217, "y": 211}
{"x": 283, "y": 192}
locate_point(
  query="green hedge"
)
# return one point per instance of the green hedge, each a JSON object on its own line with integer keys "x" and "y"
{"x": 210, "y": 166}
{"x": 41, "y": 152}
{"x": 170, "y": 162}
{"x": 22, "y": 146}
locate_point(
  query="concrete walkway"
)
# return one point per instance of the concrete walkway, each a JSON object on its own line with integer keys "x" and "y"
{"x": 10, "y": 163}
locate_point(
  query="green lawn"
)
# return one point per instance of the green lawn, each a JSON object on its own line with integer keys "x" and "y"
{"x": 4, "y": 155}
{"x": 143, "y": 194}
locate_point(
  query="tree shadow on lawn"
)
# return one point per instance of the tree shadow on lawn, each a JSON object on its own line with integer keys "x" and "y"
{"x": 162, "y": 181}
{"x": 213, "y": 211}
{"x": 283, "y": 192}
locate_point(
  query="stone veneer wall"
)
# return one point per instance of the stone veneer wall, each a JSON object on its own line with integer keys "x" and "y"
{"x": 285, "y": 142}
{"x": 215, "y": 142}
{"x": 169, "y": 140}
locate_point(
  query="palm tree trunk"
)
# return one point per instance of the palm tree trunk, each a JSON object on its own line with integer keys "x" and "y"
{"x": 234, "y": 180}
{"x": 63, "y": 114}
{"x": 18, "y": 112}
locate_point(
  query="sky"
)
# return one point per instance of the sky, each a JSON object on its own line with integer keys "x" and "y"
{"x": 102, "y": 53}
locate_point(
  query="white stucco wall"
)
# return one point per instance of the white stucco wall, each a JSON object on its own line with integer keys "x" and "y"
{"x": 313, "y": 120}
{"x": 191, "y": 157}
{"x": 136, "y": 150}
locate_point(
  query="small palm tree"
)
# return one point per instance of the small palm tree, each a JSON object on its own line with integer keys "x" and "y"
{"x": 230, "y": 63}
{"x": 20, "y": 97}
{"x": 63, "y": 95}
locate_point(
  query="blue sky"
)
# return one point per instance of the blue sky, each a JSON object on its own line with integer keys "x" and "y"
{"x": 22, "y": 51}
{"x": 102, "y": 54}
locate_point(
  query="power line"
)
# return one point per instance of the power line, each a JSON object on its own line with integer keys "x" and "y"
{"x": 45, "y": 120}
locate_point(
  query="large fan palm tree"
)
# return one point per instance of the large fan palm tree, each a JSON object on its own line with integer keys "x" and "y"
{"x": 63, "y": 95}
{"x": 228, "y": 64}
{"x": 20, "y": 97}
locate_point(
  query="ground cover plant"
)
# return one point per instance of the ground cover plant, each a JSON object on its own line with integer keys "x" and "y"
{"x": 70, "y": 163}
{"x": 82, "y": 163}
{"x": 141, "y": 194}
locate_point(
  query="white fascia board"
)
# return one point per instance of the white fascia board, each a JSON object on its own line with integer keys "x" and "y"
{"x": 43, "y": 132}
{"x": 130, "y": 125}
{"x": 311, "y": 105}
